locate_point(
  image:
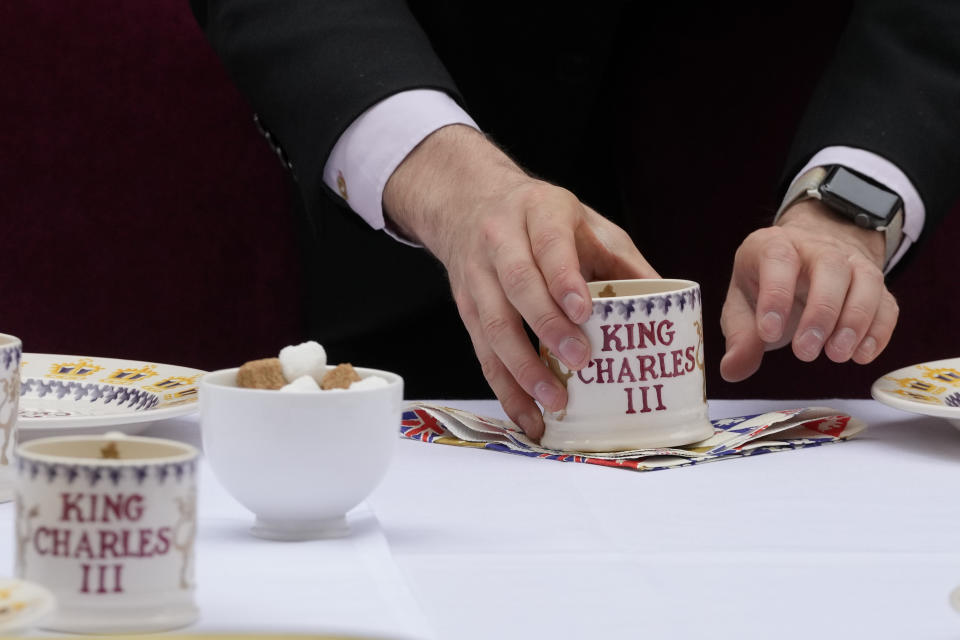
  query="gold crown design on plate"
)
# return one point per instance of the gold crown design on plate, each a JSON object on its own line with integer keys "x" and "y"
{"x": 944, "y": 375}
{"x": 919, "y": 384}
{"x": 79, "y": 370}
{"x": 131, "y": 375}
{"x": 919, "y": 397}
{"x": 172, "y": 383}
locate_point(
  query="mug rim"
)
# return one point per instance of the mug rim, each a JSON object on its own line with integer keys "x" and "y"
{"x": 681, "y": 284}
{"x": 189, "y": 452}
{"x": 7, "y": 340}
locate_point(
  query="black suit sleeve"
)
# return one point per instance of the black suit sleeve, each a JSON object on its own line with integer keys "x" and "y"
{"x": 310, "y": 67}
{"x": 893, "y": 88}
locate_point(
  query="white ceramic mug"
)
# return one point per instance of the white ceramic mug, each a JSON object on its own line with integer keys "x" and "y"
{"x": 10, "y": 352}
{"x": 644, "y": 386}
{"x": 108, "y": 524}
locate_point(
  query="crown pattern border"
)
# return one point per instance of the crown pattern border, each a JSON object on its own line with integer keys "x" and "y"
{"x": 680, "y": 301}
{"x": 136, "y": 399}
{"x": 93, "y": 475}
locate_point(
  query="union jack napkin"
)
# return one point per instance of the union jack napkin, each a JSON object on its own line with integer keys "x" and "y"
{"x": 732, "y": 437}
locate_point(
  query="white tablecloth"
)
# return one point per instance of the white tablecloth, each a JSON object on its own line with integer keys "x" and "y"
{"x": 858, "y": 539}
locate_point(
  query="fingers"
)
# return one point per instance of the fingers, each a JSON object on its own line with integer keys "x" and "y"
{"x": 777, "y": 273}
{"x": 812, "y": 290}
{"x": 508, "y": 360}
{"x": 759, "y": 301}
{"x": 503, "y": 331}
{"x": 516, "y": 403}
{"x": 859, "y": 312}
{"x": 830, "y": 278}
{"x": 744, "y": 348}
{"x": 552, "y": 243}
{"x": 523, "y": 282}
{"x": 878, "y": 335}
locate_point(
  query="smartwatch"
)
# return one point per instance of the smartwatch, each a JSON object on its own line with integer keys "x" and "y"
{"x": 852, "y": 196}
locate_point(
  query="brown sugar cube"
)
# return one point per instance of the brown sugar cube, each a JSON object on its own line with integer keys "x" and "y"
{"x": 339, "y": 377}
{"x": 266, "y": 373}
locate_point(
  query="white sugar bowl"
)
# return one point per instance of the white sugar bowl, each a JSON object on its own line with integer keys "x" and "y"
{"x": 299, "y": 461}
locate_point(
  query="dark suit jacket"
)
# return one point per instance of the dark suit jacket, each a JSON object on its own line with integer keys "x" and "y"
{"x": 545, "y": 85}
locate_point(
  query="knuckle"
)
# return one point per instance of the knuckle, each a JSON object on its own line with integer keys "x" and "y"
{"x": 895, "y": 310}
{"x": 620, "y": 237}
{"x": 491, "y": 368}
{"x": 546, "y": 241}
{"x": 464, "y": 302}
{"x": 824, "y": 309}
{"x": 527, "y": 372}
{"x": 779, "y": 295}
{"x": 740, "y": 254}
{"x": 865, "y": 269}
{"x": 832, "y": 260}
{"x": 494, "y": 327}
{"x": 758, "y": 241}
{"x": 536, "y": 195}
{"x": 561, "y": 280}
{"x": 769, "y": 235}
{"x": 857, "y": 316}
{"x": 890, "y": 300}
{"x": 544, "y": 199}
{"x": 545, "y": 322}
{"x": 781, "y": 251}
{"x": 491, "y": 232}
{"x": 518, "y": 276}
{"x": 889, "y": 310}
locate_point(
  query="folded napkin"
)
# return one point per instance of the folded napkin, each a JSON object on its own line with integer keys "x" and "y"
{"x": 732, "y": 437}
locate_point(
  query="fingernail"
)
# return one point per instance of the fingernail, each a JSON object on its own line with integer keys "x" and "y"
{"x": 809, "y": 344}
{"x": 771, "y": 324}
{"x": 845, "y": 341}
{"x": 574, "y": 352}
{"x": 867, "y": 348}
{"x": 548, "y": 395}
{"x": 573, "y": 305}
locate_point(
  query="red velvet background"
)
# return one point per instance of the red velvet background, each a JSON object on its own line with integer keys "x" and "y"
{"x": 144, "y": 217}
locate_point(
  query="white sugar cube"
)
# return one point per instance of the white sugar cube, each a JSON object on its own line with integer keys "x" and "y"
{"x": 370, "y": 382}
{"x": 302, "y": 384}
{"x": 305, "y": 359}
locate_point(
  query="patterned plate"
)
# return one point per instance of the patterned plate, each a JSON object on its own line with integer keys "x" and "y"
{"x": 101, "y": 394}
{"x": 931, "y": 388}
{"x": 23, "y": 605}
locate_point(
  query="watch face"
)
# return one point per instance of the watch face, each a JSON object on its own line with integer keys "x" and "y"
{"x": 861, "y": 200}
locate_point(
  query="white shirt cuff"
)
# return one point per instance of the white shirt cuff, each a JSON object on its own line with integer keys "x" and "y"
{"x": 886, "y": 173}
{"x": 374, "y": 145}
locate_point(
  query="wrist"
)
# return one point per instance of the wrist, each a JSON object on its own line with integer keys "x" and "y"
{"x": 816, "y": 217}
{"x": 445, "y": 175}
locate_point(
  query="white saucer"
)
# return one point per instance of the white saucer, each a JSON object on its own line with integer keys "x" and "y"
{"x": 23, "y": 605}
{"x": 929, "y": 388}
{"x": 85, "y": 394}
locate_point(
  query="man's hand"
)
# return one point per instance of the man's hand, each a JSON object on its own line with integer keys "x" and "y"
{"x": 814, "y": 280}
{"x": 515, "y": 248}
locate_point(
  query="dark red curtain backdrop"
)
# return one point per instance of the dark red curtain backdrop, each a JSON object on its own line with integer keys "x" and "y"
{"x": 144, "y": 217}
